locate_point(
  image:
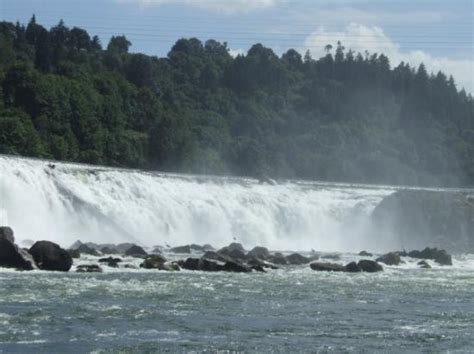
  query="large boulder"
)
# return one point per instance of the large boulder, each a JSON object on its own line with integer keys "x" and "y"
{"x": 201, "y": 264}
{"x": 424, "y": 264}
{"x": 390, "y": 259}
{"x": 327, "y": 267}
{"x": 365, "y": 254}
{"x": 111, "y": 261}
{"x": 297, "y": 259}
{"x": 214, "y": 256}
{"x": 352, "y": 267}
{"x": 439, "y": 256}
{"x": 236, "y": 267}
{"x": 135, "y": 251}
{"x": 369, "y": 266}
{"x": 234, "y": 250}
{"x": 278, "y": 258}
{"x": 109, "y": 250}
{"x": 12, "y": 256}
{"x": 155, "y": 261}
{"x": 259, "y": 252}
{"x": 49, "y": 256}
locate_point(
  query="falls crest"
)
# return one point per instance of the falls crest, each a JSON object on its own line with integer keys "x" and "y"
{"x": 71, "y": 201}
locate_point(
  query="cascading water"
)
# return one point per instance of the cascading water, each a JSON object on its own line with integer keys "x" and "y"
{"x": 65, "y": 202}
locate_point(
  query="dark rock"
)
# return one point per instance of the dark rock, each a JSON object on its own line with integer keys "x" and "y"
{"x": 424, "y": 265}
{"x": 256, "y": 262}
{"x": 365, "y": 254}
{"x": 6, "y": 233}
{"x": 259, "y": 252}
{"x": 234, "y": 251}
{"x": 369, "y": 266}
{"x": 439, "y": 256}
{"x": 123, "y": 247}
{"x": 390, "y": 259}
{"x": 278, "y": 258}
{"x": 111, "y": 261}
{"x": 233, "y": 246}
{"x": 236, "y": 267}
{"x": 170, "y": 267}
{"x": 208, "y": 247}
{"x": 352, "y": 267}
{"x": 49, "y": 256}
{"x": 259, "y": 268}
{"x": 74, "y": 253}
{"x": 89, "y": 268}
{"x": 327, "y": 267}
{"x": 202, "y": 265}
{"x": 12, "y": 256}
{"x": 155, "y": 261}
{"x": 211, "y": 255}
{"x": 109, "y": 250}
{"x": 297, "y": 259}
{"x": 136, "y": 251}
{"x": 85, "y": 249}
{"x": 181, "y": 249}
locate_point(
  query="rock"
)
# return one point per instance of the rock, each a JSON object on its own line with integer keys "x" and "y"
{"x": 49, "y": 256}
{"x": 439, "y": 256}
{"x": 236, "y": 267}
{"x": 123, "y": 247}
{"x": 181, "y": 249}
{"x": 135, "y": 251}
{"x": 259, "y": 268}
{"x": 154, "y": 261}
{"x": 297, "y": 259}
{"x": 202, "y": 265}
{"x": 12, "y": 256}
{"x": 389, "y": 259}
{"x": 327, "y": 267}
{"x": 109, "y": 250}
{"x": 278, "y": 258}
{"x": 424, "y": 265}
{"x": 233, "y": 246}
{"x": 369, "y": 266}
{"x": 158, "y": 249}
{"x": 85, "y": 249}
{"x": 89, "y": 268}
{"x": 256, "y": 262}
{"x": 74, "y": 253}
{"x": 365, "y": 254}
{"x": 352, "y": 267}
{"x": 211, "y": 255}
{"x": 75, "y": 245}
{"x": 111, "y": 262}
{"x": 208, "y": 247}
{"x": 234, "y": 251}
{"x": 259, "y": 252}
{"x": 6, "y": 233}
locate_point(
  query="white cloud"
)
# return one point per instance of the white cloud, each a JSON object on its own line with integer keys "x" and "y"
{"x": 235, "y": 52}
{"x": 225, "y": 6}
{"x": 360, "y": 38}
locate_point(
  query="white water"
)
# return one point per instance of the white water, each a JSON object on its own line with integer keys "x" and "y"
{"x": 71, "y": 202}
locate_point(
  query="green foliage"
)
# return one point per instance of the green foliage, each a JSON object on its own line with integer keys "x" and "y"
{"x": 343, "y": 117}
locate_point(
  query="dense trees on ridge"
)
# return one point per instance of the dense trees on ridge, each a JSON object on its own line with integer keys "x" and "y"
{"x": 344, "y": 117}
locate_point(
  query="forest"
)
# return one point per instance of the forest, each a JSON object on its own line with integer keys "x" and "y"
{"x": 346, "y": 117}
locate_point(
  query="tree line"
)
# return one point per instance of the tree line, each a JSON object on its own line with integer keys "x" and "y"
{"x": 343, "y": 117}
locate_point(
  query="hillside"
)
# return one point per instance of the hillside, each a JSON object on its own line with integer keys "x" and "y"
{"x": 343, "y": 117}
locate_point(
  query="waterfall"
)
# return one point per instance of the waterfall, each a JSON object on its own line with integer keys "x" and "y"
{"x": 63, "y": 202}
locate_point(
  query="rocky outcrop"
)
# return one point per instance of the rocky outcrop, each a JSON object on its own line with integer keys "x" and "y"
{"x": 278, "y": 258}
{"x": 297, "y": 259}
{"x": 181, "y": 249}
{"x": 49, "y": 256}
{"x": 365, "y": 254}
{"x": 439, "y": 256}
{"x": 363, "y": 265}
{"x": 111, "y": 261}
{"x": 201, "y": 264}
{"x": 424, "y": 264}
{"x": 391, "y": 258}
{"x": 369, "y": 266}
{"x": 327, "y": 267}
{"x": 12, "y": 256}
{"x": 155, "y": 261}
{"x": 234, "y": 251}
{"x": 85, "y": 249}
{"x": 259, "y": 253}
{"x": 417, "y": 218}
{"x": 135, "y": 251}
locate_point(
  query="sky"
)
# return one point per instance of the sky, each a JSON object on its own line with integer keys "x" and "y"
{"x": 439, "y": 33}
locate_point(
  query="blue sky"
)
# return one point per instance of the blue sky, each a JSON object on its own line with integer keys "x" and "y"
{"x": 436, "y": 32}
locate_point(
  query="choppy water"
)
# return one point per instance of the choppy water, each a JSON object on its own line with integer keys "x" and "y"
{"x": 287, "y": 310}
